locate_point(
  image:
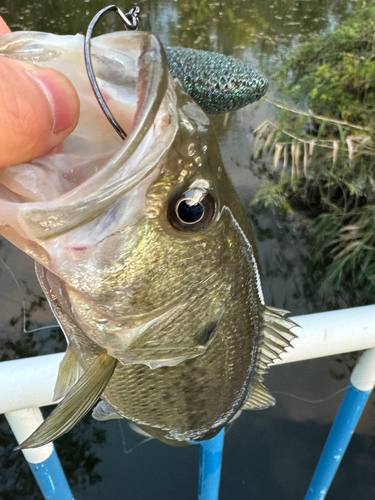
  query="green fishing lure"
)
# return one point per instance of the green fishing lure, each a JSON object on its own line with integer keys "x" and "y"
{"x": 216, "y": 82}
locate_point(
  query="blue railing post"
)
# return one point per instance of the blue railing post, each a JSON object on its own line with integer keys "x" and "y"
{"x": 355, "y": 399}
{"x": 51, "y": 479}
{"x": 210, "y": 467}
{"x": 43, "y": 461}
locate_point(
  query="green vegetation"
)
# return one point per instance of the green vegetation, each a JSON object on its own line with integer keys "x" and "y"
{"x": 324, "y": 157}
{"x": 337, "y": 71}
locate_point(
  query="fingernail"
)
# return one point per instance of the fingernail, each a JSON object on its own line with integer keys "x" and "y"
{"x": 61, "y": 95}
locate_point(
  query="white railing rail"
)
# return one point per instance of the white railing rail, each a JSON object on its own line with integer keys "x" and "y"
{"x": 30, "y": 381}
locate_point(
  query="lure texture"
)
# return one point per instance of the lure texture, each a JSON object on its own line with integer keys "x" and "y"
{"x": 218, "y": 83}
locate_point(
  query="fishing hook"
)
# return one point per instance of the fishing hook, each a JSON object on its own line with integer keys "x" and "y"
{"x": 130, "y": 21}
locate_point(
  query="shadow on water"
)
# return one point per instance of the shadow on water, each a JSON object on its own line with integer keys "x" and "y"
{"x": 267, "y": 465}
{"x": 268, "y": 455}
{"x": 77, "y": 452}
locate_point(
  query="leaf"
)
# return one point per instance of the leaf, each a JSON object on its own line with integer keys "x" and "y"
{"x": 305, "y": 158}
{"x": 268, "y": 141}
{"x": 350, "y": 147}
{"x": 285, "y": 162}
{"x": 335, "y": 151}
{"x": 294, "y": 173}
{"x": 297, "y": 153}
{"x": 342, "y": 133}
{"x": 276, "y": 157}
{"x": 258, "y": 145}
{"x": 321, "y": 130}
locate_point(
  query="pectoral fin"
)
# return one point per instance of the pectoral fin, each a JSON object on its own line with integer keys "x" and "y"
{"x": 69, "y": 372}
{"x": 104, "y": 411}
{"x": 79, "y": 400}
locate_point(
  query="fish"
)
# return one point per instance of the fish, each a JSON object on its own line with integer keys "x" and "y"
{"x": 143, "y": 250}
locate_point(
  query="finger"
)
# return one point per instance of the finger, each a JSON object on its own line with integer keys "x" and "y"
{"x": 3, "y": 27}
{"x": 39, "y": 108}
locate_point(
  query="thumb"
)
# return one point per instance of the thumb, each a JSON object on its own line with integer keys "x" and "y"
{"x": 39, "y": 107}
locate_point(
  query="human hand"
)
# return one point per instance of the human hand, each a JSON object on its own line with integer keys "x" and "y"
{"x": 39, "y": 108}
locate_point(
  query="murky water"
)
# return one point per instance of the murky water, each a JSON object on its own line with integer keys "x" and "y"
{"x": 269, "y": 455}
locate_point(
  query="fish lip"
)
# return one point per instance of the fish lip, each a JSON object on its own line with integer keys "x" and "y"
{"x": 47, "y": 219}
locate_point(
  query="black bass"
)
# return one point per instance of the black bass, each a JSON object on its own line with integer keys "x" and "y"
{"x": 143, "y": 250}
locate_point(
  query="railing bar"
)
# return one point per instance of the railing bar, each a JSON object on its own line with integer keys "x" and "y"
{"x": 210, "y": 467}
{"x": 356, "y": 396}
{"x": 43, "y": 462}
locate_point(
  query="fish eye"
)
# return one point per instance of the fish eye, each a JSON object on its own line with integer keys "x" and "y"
{"x": 189, "y": 214}
{"x": 192, "y": 211}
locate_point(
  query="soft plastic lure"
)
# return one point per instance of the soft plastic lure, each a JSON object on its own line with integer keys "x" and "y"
{"x": 216, "y": 82}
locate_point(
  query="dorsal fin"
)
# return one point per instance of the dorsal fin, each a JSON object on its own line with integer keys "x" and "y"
{"x": 275, "y": 334}
{"x": 275, "y": 337}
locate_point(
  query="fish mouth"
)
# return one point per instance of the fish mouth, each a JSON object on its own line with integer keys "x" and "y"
{"x": 95, "y": 167}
